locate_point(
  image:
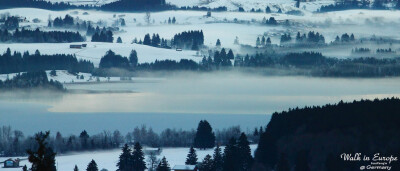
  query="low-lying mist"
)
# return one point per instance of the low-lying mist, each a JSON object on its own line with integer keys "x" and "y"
{"x": 216, "y": 93}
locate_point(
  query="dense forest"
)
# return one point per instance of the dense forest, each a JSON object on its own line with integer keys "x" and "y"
{"x": 29, "y": 81}
{"x": 189, "y": 40}
{"x": 314, "y": 137}
{"x": 37, "y": 36}
{"x": 17, "y": 62}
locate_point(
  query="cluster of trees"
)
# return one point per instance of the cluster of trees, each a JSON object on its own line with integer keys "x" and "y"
{"x": 361, "y": 50}
{"x": 29, "y": 81}
{"x": 363, "y": 4}
{"x": 286, "y": 38}
{"x": 220, "y": 60}
{"x": 345, "y": 38}
{"x": 235, "y": 157}
{"x": 314, "y": 63}
{"x": 112, "y": 60}
{"x": 263, "y": 42}
{"x": 311, "y": 37}
{"x": 173, "y": 21}
{"x": 301, "y": 60}
{"x": 37, "y": 36}
{"x": 154, "y": 41}
{"x": 270, "y": 21}
{"x": 14, "y": 143}
{"x": 170, "y": 65}
{"x": 103, "y": 36}
{"x": 384, "y": 50}
{"x": 68, "y": 21}
{"x": 167, "y": 138}
{"x": 186, "y": 138}
{"x": 314, "y": 137}
{"x": 10, "y": 22}
{"x": 131, "y": 159}
{"x": 189, "y": 40}
{"x": 197, "y": 8}
{"x": 17, "y": 62}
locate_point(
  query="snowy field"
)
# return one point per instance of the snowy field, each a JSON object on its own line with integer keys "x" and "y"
{"x": 108, "y": 159}
{"x": 363, "y": 23}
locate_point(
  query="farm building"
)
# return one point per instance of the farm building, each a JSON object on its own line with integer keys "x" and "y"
{"x": 185, "y": 168}
{"x": 75, "y": 46}
{"x": 10, "y": 163}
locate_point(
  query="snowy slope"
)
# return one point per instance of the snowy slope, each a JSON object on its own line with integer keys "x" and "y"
{"x": 108, "y": 159}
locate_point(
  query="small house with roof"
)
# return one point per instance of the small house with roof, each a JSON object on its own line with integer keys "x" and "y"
{"x": 10, "y": 163}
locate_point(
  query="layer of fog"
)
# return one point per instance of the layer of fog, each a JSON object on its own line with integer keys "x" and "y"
{"x": 219, "y": 93}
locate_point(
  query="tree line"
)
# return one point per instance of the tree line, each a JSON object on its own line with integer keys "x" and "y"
{"x": 363, "y": 4}
{"x": 17, "y": 62}
{"x": 236, "y": 156}
{"x": 14, "y": 143}
{"x": 38, "y": 36}
{"x": 189, "y": 40}
{"x": 29, "y": 81}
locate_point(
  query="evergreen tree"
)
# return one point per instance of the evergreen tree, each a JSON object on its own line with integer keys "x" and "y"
{"x": 119, "y": 40}
{"x": 297, "y": 3}
{"x": 268, "y": 41}
{"x": 92, "y": 166}
{"x": 283, "y": 164}
{"x": 76, "y": 168}
{"x": 125, "y": 159}
{"x": 268, "y": 10}
{"x": 258, "y": 43}
{"x": 147, "y": 40}
{"x": 84, "y": 137}
{"x": 43, "y": 158}
{"x": 263, "y": 41}
{"x": 163, "y": 165}
{"x": 218, "y": 44}
{"x": 24, "y": 168}
{"x": 133, "y": 59}
{"x": 191, "y": 157}
{"x": 244, "y": 153}
{"x": 230, "y": 54}
{"x": 207, "y": 164}
{"x": 173, "y": 20}
{"x": 138, "y": 158}
{"x": 204, "y": 137}
{"x": 218, "y": 160}
{"x": 123, "y": 22}
{"x": 231, "y": 156}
